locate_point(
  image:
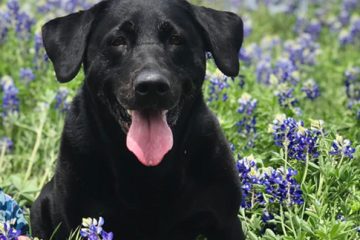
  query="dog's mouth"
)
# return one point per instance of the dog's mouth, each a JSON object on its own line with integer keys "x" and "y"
{"x": 149, "y": 136}
{"x": 148, "y": 131}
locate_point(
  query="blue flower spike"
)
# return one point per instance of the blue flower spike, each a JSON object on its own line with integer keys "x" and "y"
{"x": 92, "y": 229}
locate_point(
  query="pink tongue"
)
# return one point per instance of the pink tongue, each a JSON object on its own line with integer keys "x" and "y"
{"x": 149, "y": 137}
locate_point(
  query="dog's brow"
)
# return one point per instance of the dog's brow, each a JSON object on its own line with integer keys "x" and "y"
{"x": 127, "y": 26}
{"x": 165, "y": 26}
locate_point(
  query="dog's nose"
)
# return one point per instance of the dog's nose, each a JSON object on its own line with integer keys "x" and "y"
{"x": 151, "y": 84}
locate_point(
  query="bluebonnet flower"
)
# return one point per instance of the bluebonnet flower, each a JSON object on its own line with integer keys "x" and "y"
{"x": 244, "y": 56}
{"x": 311, "y": 89}
{"x": 355, "y": 27}
{"x": 303, "y": 50}
{"x": 247, "y": 124}
{"x": 268, "y": 43}
{"x": 251, "y": 53}
{"x": 291, "y": 134}
{"x": 334, "y": 24}
{"x": 340, "y": 217}
{"x": 8, "y": 233}
{"x": 208, "y": 55}
{"x": 92, "y": 230}
{"x": 284, "y": 69}
{"x": 273, "y": 185}
{"x": 286, "y": 96}
{"x": 264, "y": 71}
{"x": 218, "y": 82}
{"x": 342, "y": 147}
{"x": 40, "y": 55}
{"x": 62, "y": 102}
{"x": 300, "y": 24}
{"x": 247, "y": 104}
{"x": 352, "y": 84}
{"x": 60, "y": 7}
{"x": 313, "y": 28}
{"x": 247, "y": 27}
{"x": 249, "y": 177}
{"x": 13, "y": 7}
{"x": 266, "y": 216}
{"x": 282, "y": 187}
{"x": 3, "y": 27}
{"x": 6, "y": 144}
{"x": 24, "y": 24}
{"x": 11, "y": 101}
{"x": 344, "y": 17}
{"x": 345, "y": 37}
{"x": 21, "y": 21}
{"x": 282, "y": 6}
{"x": 11, "y": 215}
{"x": 351, "y": 35}
{"x": 350, "y": 5}
{"x": 232, "y": 147}
{"x": 26, "y": 75}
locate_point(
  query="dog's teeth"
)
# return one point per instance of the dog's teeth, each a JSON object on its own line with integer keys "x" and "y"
{"x": 129, "y": 112}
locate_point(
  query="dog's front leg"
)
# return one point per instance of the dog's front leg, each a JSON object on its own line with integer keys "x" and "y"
{"x": 230, "y": 231}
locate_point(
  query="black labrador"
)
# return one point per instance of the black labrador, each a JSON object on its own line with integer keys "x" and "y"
{"x": 140, "y": 147}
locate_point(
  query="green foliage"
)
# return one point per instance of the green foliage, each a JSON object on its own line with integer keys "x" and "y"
{"x": 330, "y": 184}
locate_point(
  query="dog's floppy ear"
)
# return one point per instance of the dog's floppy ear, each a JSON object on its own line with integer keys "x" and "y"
{"x": 223, "y": 34}
{"x": 65, "y": 41}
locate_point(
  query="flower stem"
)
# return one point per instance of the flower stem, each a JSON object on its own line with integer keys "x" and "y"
{"x": 36, "y": 146}
{"x": 306, "y": 169}
{"x": 282, "y": 220}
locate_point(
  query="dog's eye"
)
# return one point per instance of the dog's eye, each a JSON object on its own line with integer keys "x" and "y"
{"x": 176, "y": 39}
{"x": 118, "y": 41}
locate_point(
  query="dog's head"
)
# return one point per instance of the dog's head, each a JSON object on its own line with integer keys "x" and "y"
{"x": 142, "y": 59}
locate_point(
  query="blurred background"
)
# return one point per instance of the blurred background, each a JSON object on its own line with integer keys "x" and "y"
{"x": 291, "y": 116}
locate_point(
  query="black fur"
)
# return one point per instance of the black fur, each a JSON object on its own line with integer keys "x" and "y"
{"x": 195, "y": 190}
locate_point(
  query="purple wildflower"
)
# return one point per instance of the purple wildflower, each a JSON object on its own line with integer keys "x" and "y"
{"x": 281, "y": 187}
{"x": 303, "y": 50}
{"x": 311, "y": 89}
{"x": 349, "y": 5}
{"x": 11, "y": 101}
{"x": 6, "y": 144}
{"x": 249, "y": 177}
{"x": 344, "y": 17}
{"x": 299, "y": 141}
{"x": 244, "y": 56}
{"x": 313, "y": 28}
{"x": 3, "y": 28}
{"x": 283, "y": 69}
{"x": 8, "y": 233}
{"x": 247, "y": 27}
{"x": 345, "y": 37}
{"x": 247, "y": 124}
{"x": 218, "y": 82}
{"x": 263, "y": 71}
{"x": 342, "y": 147}
{"x": 352, "y": 84}
{"x": 286, "y": 96}
{"x": 340, "y": 217}
{"x": 27, "y": 75}
{"x": 61, "y": 100}
{"x": 247, "y": 104}
{"x": 266, "y": 216}
{"x": 92, "y": 230}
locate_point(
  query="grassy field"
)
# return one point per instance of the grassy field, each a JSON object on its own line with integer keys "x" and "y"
{"x": 292, "y": 117}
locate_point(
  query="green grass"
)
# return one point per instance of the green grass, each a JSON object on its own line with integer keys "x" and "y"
{"x": 331, "y": 186}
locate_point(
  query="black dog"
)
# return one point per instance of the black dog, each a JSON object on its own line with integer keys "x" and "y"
{"x": 140, "y": 147}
